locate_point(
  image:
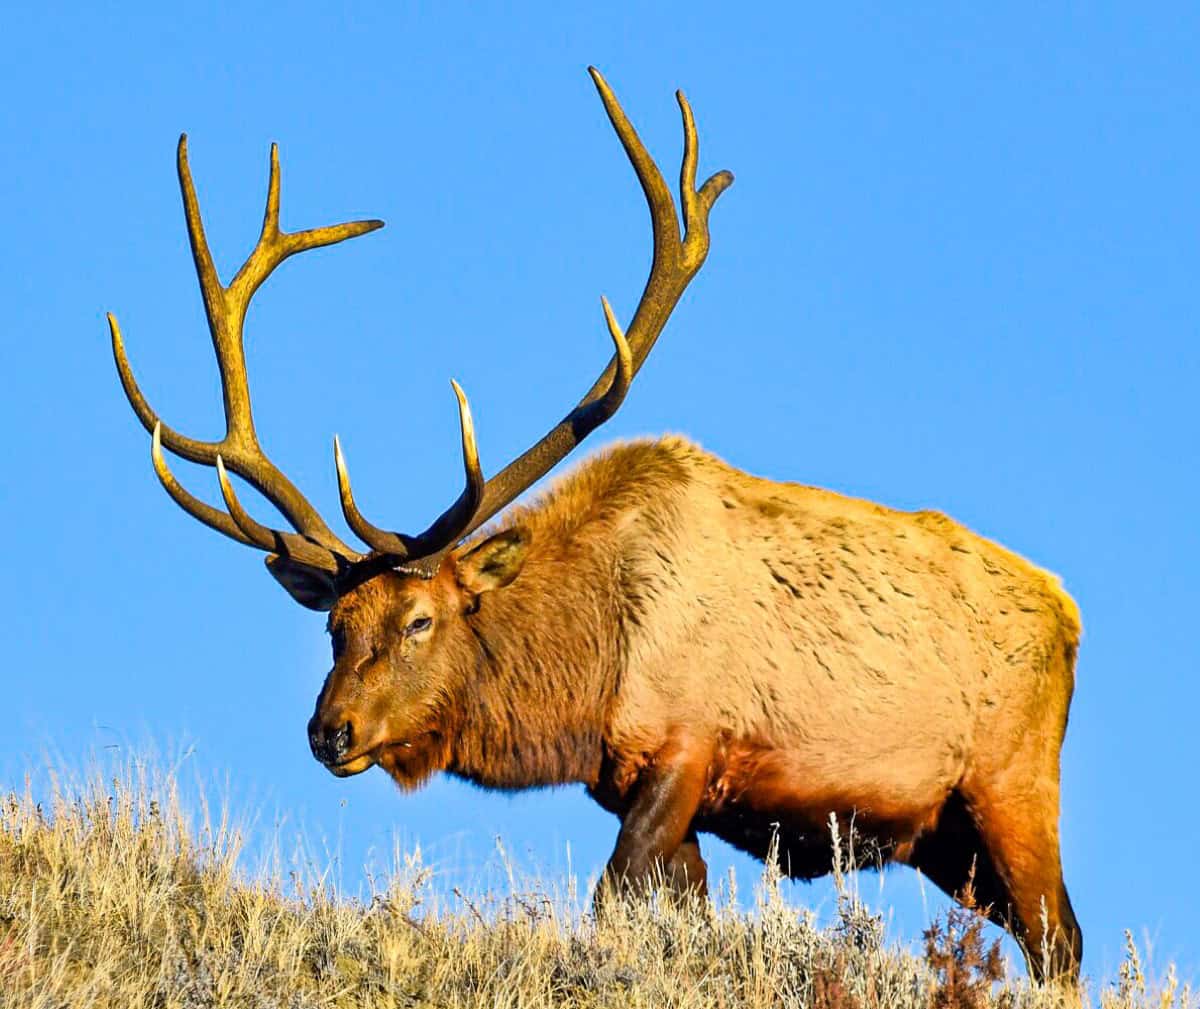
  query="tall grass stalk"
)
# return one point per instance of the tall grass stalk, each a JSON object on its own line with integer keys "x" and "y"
{"x": 113, "y": 892}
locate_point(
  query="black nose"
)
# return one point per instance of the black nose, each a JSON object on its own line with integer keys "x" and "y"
{"x": 330, "y": 746}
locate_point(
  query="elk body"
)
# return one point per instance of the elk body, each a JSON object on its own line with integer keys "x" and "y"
{"x": 706, "y": 651}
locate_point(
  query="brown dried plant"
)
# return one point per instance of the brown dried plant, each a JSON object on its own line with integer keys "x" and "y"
{"x": 966, "y": 968}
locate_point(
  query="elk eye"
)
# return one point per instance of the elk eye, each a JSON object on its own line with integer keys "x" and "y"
{"x": 418, "y": 625}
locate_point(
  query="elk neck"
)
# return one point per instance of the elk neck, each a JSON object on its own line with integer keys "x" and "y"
{"x": 547, "y": 662}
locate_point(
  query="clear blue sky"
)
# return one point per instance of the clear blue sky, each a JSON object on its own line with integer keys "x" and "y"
{"x": 957, "y": 270}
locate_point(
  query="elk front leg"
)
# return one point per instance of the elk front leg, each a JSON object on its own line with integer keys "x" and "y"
{"x": 658, "y": 823}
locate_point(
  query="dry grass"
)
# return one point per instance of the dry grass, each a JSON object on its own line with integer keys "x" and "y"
{"x": 111, "y": 896}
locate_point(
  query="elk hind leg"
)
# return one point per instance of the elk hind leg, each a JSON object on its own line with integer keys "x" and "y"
{"x": 1021, "y": 837}
{"x": 954, "y": 857}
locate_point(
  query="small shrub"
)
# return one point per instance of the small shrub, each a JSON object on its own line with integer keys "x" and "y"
{"x": 966, "y": 968}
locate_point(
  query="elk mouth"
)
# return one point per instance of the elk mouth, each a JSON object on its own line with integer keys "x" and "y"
{"x": 353, "y": 766}
{"x": 367, "y": 759}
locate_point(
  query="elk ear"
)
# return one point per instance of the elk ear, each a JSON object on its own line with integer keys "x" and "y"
{"x": 494, "y": 563}
{"x": 310, "y": 587}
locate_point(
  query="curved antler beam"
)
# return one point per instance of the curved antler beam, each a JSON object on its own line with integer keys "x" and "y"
{"x": 187, "y": 448}
{"x": 678, "y": 253}
{"x": 676, "y": 260}
{"x": 237, "y": 523}
{"x": 271, "y": 540}
{"x": 313, "y": 543}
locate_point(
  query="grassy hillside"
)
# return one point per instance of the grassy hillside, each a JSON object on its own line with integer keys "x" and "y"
{"x": 110, "y": 895}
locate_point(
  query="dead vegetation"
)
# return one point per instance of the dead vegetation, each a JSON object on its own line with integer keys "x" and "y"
{"x": 110, "y": 895}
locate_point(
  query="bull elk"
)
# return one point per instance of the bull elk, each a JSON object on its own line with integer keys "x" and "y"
{"x": 705, "y": 650}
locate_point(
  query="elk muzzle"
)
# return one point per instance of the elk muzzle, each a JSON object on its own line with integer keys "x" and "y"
{"x": 332, "y": 740}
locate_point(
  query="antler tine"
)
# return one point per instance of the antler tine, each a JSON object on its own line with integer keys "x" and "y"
{"x": 676, "y": 260}
{"x": 313, "y": 544}
{"x": 604, "y": 407}
{"x": 181, "y": 445}
{"x": 445, "y": 530}
{"x": 212, "y": 517}
{"x": 379, "y": 539}
{"x": 274, "y": 245}
{"x": 272, "y": 540}
{"x": 237, "y": 524}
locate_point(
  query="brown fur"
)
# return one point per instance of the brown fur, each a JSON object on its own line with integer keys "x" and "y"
{"x": 709, "y": 651}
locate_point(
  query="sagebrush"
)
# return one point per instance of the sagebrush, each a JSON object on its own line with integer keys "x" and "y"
{"x": 111, "y": 894}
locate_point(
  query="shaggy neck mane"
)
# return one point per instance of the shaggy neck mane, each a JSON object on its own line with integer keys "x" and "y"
{"x": 535, "y": 709}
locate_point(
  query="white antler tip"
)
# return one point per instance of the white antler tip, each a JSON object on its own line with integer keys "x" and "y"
{"x": 227, "y": 491}
{"x": 339, "y": 462}
{"x": 156, "y": 447}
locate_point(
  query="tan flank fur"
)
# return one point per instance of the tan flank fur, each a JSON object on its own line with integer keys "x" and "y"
{"x": 705, "y": 650}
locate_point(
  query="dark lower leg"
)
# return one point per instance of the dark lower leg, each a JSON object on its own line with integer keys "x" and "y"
{"x": 686, "y": 873}
{"x": 659, "y": 819}
{"x": 1022, "y": 840}
{"x": 1049, "y": 933}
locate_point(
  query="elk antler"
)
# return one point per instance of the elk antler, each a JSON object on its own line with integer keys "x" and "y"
{"x": 676, "y": 260}
{"x": 313, "y": 544}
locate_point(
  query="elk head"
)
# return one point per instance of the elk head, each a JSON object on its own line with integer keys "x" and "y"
{"x": 403, "y": 651}
{"x": 400, "y": 613}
